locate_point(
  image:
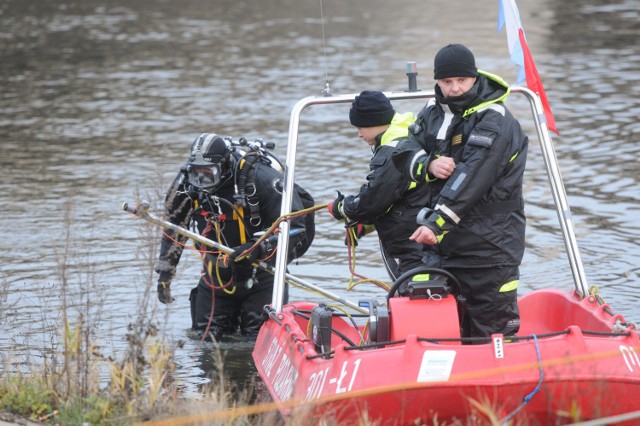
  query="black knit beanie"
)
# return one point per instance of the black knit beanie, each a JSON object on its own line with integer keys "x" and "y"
{"x": 454, "y": 60}
{"x": 370, "y": 109}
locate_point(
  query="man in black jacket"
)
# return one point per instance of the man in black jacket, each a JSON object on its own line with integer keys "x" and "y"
{"x": 475, "y": 156}
{"x": 388, "y": 200}
{"x": 229, "y": 197}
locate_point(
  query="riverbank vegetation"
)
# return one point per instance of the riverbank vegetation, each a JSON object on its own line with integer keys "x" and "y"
{"x": 71, "y": 381}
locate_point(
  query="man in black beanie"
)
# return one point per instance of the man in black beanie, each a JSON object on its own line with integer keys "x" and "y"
{"x": 371, "y": 109}
{"x": 473, "y": 224}
{"x": 388, "y": 202}
{"x": 454, "y": 60}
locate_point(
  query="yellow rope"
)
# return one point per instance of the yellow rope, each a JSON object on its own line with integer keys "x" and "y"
{"x": 272, "y": 229}
{"x": 595, "y": 292}
{"x": 351, "y": 238}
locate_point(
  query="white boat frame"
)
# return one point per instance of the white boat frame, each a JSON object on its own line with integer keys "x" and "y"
{"x": 548, "y": 152}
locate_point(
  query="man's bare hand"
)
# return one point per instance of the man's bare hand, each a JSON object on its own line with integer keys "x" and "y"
{"x": 442, "y": 167}
{"x": 424, "y": 235}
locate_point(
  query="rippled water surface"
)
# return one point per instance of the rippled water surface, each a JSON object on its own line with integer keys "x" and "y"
{"x": 100, "y": 102}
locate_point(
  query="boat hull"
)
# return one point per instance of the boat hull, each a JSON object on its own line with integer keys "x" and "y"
{"x": 566, "y": 366}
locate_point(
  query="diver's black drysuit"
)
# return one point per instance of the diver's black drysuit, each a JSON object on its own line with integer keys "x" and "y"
{"x": 240, "y": 291}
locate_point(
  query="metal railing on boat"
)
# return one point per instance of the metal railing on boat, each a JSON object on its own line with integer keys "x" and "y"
{"x": 551, "y": 164}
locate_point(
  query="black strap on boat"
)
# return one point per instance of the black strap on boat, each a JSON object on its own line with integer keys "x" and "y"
{"x": 467, "y": 340}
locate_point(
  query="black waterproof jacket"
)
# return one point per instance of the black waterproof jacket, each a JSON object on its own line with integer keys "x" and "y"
{"x": 478, "y": 212}
{"x": 389, "y": 200}
{"x": 185, "y": 208}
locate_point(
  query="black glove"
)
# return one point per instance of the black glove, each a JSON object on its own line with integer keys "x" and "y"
{"x": 352, "y": 238}
{"x": 335, "y": 208}
{"x": 250, "y": 257}
{"x": 164, "y": 288}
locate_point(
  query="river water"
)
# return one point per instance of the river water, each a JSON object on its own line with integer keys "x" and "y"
{"x": 100, "y": 102}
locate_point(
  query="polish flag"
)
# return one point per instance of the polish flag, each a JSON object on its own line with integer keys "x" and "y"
{"x": 509, "y": 17}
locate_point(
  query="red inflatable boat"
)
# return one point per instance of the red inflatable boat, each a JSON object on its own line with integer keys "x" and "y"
{"x": 402, "y": 361}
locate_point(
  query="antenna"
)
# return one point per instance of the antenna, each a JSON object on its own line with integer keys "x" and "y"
{"x": 326, "y": 91}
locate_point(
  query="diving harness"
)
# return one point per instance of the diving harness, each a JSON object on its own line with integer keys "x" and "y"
{"x": 244, "y": 156}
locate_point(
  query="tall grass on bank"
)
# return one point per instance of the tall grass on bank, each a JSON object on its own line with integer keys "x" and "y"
{"x": 63, "y": 386}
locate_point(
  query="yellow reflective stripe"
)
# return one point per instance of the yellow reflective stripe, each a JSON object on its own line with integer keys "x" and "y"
{"x": 502, "y": 98}
{"x": 513, "y": 157}
{"x": 240, "y": 219}
{"x": 420, "y": 277}
{"x": 441, "y": 236}
{"x": 510, "y": 286}
{"x": 398, "y": 128}
{"x": 412, "y": 185}
{"x": 440, "y": 221}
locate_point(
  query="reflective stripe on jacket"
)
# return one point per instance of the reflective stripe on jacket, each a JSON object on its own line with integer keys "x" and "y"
{"x": 478, "y": 211}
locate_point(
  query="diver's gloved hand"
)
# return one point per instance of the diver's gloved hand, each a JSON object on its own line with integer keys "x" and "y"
{"x": 164, "y": 288}
{"x": 335, "y": 208}
{"x": 354, "y": 233}
{"x": 252, "y": 256}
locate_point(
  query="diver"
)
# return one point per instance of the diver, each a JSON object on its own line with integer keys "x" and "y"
{"x": 230, "y": 193}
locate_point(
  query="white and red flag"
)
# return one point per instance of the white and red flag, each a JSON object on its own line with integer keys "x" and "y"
{"x": 509, "y": 17}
